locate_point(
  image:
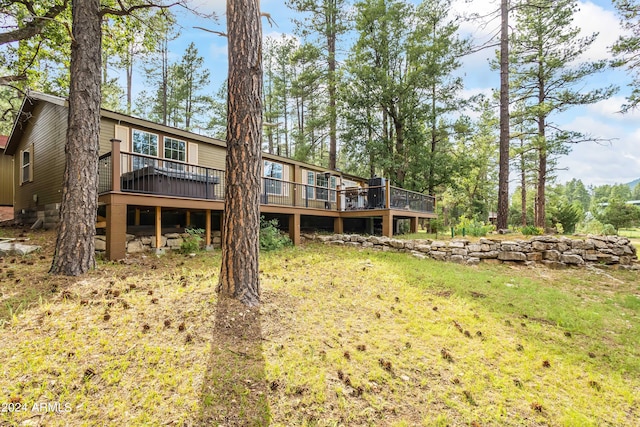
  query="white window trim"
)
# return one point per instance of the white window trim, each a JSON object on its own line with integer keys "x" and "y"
{"x": 164, "y": 140}
{"x": 133, "y": 146}
{"x": 23, "y": 166}
{"x": 282, "y": 184}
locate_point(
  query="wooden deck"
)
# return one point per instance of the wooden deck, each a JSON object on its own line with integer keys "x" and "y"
{"x": 144, "y": 181}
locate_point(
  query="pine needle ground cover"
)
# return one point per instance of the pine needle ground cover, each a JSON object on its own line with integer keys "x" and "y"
{"x": 343, "y": 337}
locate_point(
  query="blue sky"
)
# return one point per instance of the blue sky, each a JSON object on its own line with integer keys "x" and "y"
{"x": 593, "y": 163}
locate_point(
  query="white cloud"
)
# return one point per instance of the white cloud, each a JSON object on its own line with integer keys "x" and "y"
{"x": 616, "y": 161}
{"x": 592, "y": 18}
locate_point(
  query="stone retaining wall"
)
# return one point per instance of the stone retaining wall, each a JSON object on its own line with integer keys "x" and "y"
{"x": 169, "y": 241}
{"x": 555, "y": 252}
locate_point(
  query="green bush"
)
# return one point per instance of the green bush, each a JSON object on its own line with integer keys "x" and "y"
{"x": 270, "y": 236}
{"x": 531, "y": 230}
{"x": 192, "y": 242}
{"x": 609, "y": 230}
{"x": 472, "y": 227}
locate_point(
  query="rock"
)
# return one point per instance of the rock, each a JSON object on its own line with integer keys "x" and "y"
{"x": 367, "y": 244}
{"x": 174, "y": 243}
{"x": 419, "y": 255}
{"x": 437, "y": 244}
{"x": 460, "y": 244}
{"x": 423, "y": 248}
{"x": 135, "y": 246}
{"x": 539, "y": 246}
{"x": 101, "y": 245}
{"x": 473, "y": 261}
{"x": 129, "y": 237}
{"x": 336, "y": 242}
{"x": 163, "y": 242}
{"x": 571, "y": 259}
{"x": 474, "y": 248}
{"x": 551, "y": 255}
{"x": 395, "y": 243}
{"x": 459, "y": 259}
{"x": 460, "y": 252}
{"x": 17, "y": 249}
{"x": 484, "y": 255}
{"x": 534, "y": 256}
{"x": 173, "y": 236}
{"x": 512, "y": 256}
{"x": 438, "y": 255}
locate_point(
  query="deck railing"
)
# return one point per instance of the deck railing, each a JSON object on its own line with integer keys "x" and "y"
{"x": 105, "y": 180}
{"x": 150, "y": 175}
{"x": 402, "y": 199}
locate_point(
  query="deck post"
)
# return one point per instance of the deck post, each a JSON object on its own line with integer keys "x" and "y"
{"x": 413, "y": 225}
{"x": 116, "y": 231}
{"x": 115, "y": 165}
{"x": 158, "y": 229}
{"x": 338, "y": 225}
{"x": 387, "y": 224}
{"x": 294, "y": 228}
{"x": 188, "y": 221}
{"x": 207, "y": 229}
{"x": 136, "y": 220}
{"x": 387, "y": 194}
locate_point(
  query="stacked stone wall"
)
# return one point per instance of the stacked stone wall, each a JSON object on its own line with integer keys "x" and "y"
{"x": 554, "y": 252}
{"x": 140, "y": 244}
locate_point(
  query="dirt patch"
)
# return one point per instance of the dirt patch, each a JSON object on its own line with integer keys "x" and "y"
{"x": 6, "y": 213}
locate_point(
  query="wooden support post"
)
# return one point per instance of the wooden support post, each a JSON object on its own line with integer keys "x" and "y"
{"x": 136, "y": 220}
{"x": 188, "y": 222}
{"x": 294, "y": 228}
{"x": 116, "y": 231}
{"x": 413, "y": 225}
{"x": 115, "y": 165}
{"x": 387, "y": 224}
{"x": 338, "y": 225}
{"x": 158, "y": 227}
{"x": 387, "y": 194}
{"x": 207, "y": 228}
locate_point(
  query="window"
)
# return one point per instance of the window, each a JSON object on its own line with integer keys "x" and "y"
{"x": 311, "y": 182}
{"x": 174, "y": 149}
{"x": 26, "y": 165}
{"x": 144, "y": 143}
{"x": 321, "y": 187}
{"x": 273, "y": 170}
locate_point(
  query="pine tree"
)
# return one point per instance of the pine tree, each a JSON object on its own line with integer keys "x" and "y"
{"x": 547, "y": 78}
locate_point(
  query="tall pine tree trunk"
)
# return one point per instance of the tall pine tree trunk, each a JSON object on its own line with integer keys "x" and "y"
{"x": 75, "y": 247}
{"x": 333, "y": 114}
{"x": 503, "y": 174}
{"x": 239, "y": 272}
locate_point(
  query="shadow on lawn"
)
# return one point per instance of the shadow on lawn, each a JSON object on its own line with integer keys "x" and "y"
{"x": 234, "y": 391}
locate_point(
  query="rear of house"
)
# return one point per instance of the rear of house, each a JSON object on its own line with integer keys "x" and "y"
{"x": 156, "y": 180}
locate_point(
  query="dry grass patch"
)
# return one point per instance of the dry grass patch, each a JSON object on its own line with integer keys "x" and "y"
{"x": 343, "y": 337}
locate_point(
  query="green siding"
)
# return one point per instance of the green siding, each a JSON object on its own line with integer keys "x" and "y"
{"x": 6, "y": 180}
{"x": 211, "y": 156}
{"x": 46, "y": 130}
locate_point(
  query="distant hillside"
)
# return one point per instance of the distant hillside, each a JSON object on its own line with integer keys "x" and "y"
{"x": 633, "y": 183}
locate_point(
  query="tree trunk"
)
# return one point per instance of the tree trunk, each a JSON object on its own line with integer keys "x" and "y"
{"x": 523, "y": 186}
{"x": 333, "y": 115}
{"x": 75, "y": 247}
{"x": 239, "y": 272}
{"x": 503, "y": 174}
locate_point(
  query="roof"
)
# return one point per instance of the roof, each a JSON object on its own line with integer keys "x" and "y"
{"x": 33, "y": 97}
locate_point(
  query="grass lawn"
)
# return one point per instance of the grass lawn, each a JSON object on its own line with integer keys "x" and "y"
{"x": 343, "y": 337}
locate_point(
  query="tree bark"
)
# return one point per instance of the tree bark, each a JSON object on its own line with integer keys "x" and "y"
{"x": 239, "y": 272}
{"x": 75, "y": 247}
{"x": 503, "y": 174}
{"x": 333, "y": 114}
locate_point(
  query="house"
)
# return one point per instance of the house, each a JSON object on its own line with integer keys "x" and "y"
{"x": 155, "y": 180}
{"x": 6, "y": 175}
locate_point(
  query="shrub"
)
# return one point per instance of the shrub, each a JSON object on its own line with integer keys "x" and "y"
{"x": 472, "y": 227}
{"x": 531, "y": 230}
{"x": 191, "y": 243}
{"x": 270, "y": 236}
{"x": 609, "y": 230}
